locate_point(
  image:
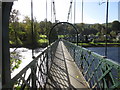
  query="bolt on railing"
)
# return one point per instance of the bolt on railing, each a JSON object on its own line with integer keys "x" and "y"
{"x": 98, "y": 71}
{"x": 35, "y": 74}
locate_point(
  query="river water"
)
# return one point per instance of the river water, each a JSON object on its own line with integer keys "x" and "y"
{"x": 113, "y": 53}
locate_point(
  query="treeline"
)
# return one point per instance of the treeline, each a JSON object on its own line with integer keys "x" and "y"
{"x": 97, "y": 32}
{"x": 20, "y": 33}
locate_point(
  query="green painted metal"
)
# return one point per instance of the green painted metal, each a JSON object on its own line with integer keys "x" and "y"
{"x": 63, "y": 23}
{"x": 35, "y": 74}
{"x": 99, "y": 72}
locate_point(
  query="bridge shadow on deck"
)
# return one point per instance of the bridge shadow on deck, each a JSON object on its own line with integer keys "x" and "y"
{"x": 62, "y": 75}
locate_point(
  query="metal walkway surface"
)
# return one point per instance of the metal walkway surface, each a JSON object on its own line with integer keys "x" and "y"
{"x": 64, "y": 73}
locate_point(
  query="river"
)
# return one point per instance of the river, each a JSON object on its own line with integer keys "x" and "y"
{"x": 27, "y": 55}
{"x": 112, "y": 52}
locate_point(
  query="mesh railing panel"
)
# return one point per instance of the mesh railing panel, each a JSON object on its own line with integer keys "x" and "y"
{"x": 98, "y": 71}
{"x": 34, "y": 75}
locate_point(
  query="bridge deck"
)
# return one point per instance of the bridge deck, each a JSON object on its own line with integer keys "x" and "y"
{"x": 64, "y": 72}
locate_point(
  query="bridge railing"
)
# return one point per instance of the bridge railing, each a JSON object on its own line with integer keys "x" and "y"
{"x": 98, "y": 71}
{"x": 34, "y": 75}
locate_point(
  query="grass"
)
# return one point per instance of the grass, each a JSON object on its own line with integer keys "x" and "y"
{"x": 84, "y": 44}
{"x": 43, "y": 36}
{"x": 62, "y": 36}
{"x": 99, "y": 43}
{"x": 43, "y": 41}
{"x": 105, "y": 43}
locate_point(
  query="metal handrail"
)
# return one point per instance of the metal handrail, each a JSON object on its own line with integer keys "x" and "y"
{"x": 34, "y": 75}
{"x": 98, "y": 71}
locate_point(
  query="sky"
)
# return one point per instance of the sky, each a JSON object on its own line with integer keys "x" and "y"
{"x": 92, "y": 12}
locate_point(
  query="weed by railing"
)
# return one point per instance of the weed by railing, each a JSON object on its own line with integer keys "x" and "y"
{"x": 99, "y": 72}
{"x": 34, "y": 75}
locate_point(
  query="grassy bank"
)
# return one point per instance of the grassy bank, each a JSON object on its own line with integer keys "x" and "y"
{"x": 91, "y": 44}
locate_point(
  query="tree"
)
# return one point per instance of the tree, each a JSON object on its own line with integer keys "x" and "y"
{"x": 27, "y": 28}
{"x": 14, "y": 16}
{"x": 116, "y": 26}
{"x": 113, "y": 34}
{"x": 42, "y": 27}
{"x": 14, "y": 39}
{"x": 15, "y": 60}
{"x": 14, "y": 28}
{"x": 36, "y": 34}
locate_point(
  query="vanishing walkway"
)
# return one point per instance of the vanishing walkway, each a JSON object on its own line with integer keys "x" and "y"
{"x": 64, "y": 73}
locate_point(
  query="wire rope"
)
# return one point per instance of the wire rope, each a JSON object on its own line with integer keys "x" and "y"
{"x": 32, "y": 29}
{"x": 70, "y": 10}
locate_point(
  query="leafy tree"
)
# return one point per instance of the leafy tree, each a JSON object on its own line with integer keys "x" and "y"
{"x": 97, "y": 27}
{"x": 36, "y": 34}
{"x": 14, "y": 16}
{"x": 14, "y": 39}
{"x": 14, "y": 27}
{"x": 27, "y": 29}
{"x": 53, "y": 36}
{"x": 79, "y": 28}
{"x": 15, "y": 60}
{"x": 48, "y": 27}
{"x": 42, "y": 27}
{"x": 113, "y": 34}
{"x": 116, "y": 26}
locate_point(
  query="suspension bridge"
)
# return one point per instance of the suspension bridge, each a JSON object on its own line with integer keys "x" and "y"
{"x": 61, "y": 64}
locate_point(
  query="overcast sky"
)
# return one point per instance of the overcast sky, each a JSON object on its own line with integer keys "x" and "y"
{"x": 93, "y": 12}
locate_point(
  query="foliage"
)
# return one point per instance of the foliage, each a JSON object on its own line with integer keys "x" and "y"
{"x": 15, "y": 60}
{"x": 43, "y": 36}
{"x": 14, "y": 28}
{"x": 116, "y": 26}
{"x": 43, "y": 41}
{"x": 20, "y": 33}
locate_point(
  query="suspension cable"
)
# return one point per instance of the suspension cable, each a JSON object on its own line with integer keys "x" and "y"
{"x": 51, "y": 10}
{"x": 74, "y": 10}
{"x": 82, "y": 11}
{"x": 71, "y": 13}
{"x": 106, "y": 27}
{"x": 100, "y": 3}
{"x": 32, "y": 31}
{"x": 46, "y": 18}
{"x": 70, "y": 10}
{"x": 54, "y": 11}
{"x": 82, "y": 21}
{"x": 46, "y": 10}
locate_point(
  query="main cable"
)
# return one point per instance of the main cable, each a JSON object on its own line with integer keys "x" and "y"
{"x": 74, "y": 10}
{"x": 106, "y": 27}
{"x": 70, "y": 10}
{"x": 51, "y": 10}
{"x": 32, "y": 31}
{"x": 54, "y": 11}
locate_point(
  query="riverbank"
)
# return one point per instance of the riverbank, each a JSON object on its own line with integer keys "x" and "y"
{"x": 43, "y": 45}
{"x": 99, "y": 44}
{"x": 90, "y": 44}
